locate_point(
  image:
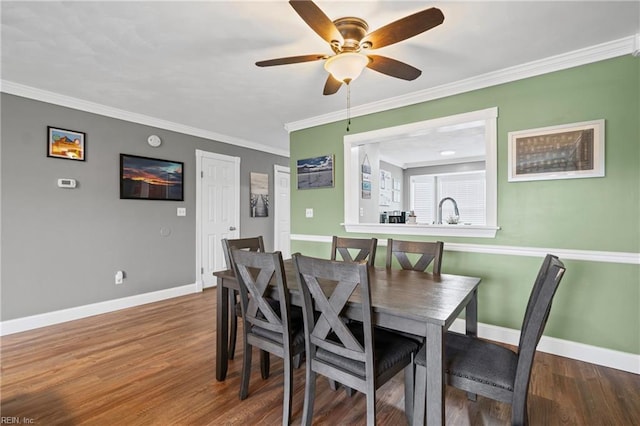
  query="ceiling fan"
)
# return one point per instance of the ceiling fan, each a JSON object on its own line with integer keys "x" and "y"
{"x": 349, "y": 38}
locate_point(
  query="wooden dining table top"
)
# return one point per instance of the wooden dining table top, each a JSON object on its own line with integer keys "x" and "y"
{"x": 413, "y": 296}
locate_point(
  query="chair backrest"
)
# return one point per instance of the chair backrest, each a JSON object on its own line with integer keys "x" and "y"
{"x": 535, "y": 319}
{"x": 426, "y": 253}
{"x": 255, "y": 271}
{"x": 326, "y": 287}
{"x": 364, "y": 248}
{"x": 250, "y": 244}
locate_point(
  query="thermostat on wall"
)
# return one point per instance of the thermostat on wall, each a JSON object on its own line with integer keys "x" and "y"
{"x": 66, "y": 183}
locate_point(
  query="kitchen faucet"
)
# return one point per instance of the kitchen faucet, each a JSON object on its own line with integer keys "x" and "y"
{"x": 455, "y": 208}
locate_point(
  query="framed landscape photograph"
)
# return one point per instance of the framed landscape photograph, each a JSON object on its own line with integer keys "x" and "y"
{"x": 259, "y": 195}
{"x": 67, "y": 144}
{"x": 558, "y": 152}
{"x": 144, "y": 178}
{"x": 315, "y": 172}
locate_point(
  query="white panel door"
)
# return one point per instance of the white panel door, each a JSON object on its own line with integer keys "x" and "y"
{"x": 219, "y": 196}
{"x": 282, "y": 211}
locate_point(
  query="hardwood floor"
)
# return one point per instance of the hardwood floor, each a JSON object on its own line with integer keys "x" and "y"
{"x": 155, "y": 365}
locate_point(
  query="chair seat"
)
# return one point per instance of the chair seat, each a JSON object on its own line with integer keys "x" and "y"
{"x": 297, "y": 335}
{"x": 477, "y": 360}
{"x": 297, "y": 326}
{"x": 295, "y": 314}
{"x": 390, "y": 349}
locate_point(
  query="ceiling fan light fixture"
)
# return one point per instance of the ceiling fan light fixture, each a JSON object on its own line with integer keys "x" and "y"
{"x": 347, "y": 66}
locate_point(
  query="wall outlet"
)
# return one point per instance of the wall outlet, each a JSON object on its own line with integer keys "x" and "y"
{"x": 119, "y": 277}
{"x": 308, "y": 213}
{"x": 182, "y": 211}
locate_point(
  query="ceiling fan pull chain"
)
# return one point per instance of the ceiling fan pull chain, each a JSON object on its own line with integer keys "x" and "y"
{"x": 348, "y": 106}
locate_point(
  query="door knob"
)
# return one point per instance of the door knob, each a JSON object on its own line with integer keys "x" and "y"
{"x": 232, "y": 228}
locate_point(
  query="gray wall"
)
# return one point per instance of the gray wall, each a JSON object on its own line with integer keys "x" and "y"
{"x": 61, "y": 247}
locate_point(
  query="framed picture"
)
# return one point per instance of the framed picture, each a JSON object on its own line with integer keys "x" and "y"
{"x": 366, "y": 189}
{"x": 315, "y": 172}
{"x": 558, "y": 152}
{"x": 143, "y": 178}
{"x": 67, "y": 144}
{"x": 259, "y": 195}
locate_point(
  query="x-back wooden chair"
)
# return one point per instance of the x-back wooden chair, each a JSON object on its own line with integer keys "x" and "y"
{"x": 364, "y": 249}
{"x": 428, "y": 252}
{"x": 250, "y": 244}
{"x": 354, "y": 353}
{"x": 491, "y": 370}
{"x": 269, "y": 324}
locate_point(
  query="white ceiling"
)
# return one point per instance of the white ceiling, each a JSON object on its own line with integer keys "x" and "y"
{"x": 460, "y": 143}
{"x": 192, "y": 63}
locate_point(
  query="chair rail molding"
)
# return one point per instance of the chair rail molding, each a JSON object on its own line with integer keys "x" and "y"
{"x": 565, "y": 254}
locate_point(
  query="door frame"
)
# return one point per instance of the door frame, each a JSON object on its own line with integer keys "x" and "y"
{"x": 199, "y": 156}
{"x": 277, "y": 169}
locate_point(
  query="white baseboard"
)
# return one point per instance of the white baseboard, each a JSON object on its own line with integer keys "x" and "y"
{"x": 593, "y": 354}
{"x": 56, "y": 317}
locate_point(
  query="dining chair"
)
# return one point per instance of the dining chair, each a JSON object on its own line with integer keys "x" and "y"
{"x": 491, "y": 370}
{"x": 269, "y": 324}
{"x": 251, "y": 244}
{"x": 364, "y": 249}
{"x": 415, "y": 255}
{"x": 353, "y": 353}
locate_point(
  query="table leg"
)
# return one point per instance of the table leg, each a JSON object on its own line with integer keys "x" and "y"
{"x": 471, "y": 324}
{"x": 435, "y": 374}
{"x": 471, "y": 315}
{"x": 222, "y": 330}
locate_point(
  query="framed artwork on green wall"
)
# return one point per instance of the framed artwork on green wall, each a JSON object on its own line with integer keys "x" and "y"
{"x": 557, "y": 152}
{"x": 316, "y": 172}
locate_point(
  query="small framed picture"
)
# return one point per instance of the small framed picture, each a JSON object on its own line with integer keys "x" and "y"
{"x": 259, "y": 195}
{"x": 316, "y": 172}
{"x": 67, "y": 144}
{"x": 567, "y": 151}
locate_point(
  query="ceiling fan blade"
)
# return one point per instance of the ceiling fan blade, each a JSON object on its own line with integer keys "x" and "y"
{"x": 291, "y": 60}
{"x": 317, "y": 20}
{"x": 393, "y": 67}
{"x": 331, "y": 86}
{"x": 405, "y": 28}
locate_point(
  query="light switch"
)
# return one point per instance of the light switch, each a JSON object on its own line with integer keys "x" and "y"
{"x": 309, "y": 213}
{"x": 361, "y": 211}
{"x": 182, "y": 211}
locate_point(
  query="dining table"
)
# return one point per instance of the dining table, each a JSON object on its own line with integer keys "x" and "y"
{"x": 415, "y": 302}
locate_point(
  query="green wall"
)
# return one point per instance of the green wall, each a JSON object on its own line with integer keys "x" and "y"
{"x": 597, "y": 303}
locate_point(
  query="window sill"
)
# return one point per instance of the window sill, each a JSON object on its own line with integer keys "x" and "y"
{"x": 428, "y": 230}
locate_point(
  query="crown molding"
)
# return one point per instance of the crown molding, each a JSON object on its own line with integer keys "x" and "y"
{"x": 24, "y": 91}
{"x": 600, "y": 52}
